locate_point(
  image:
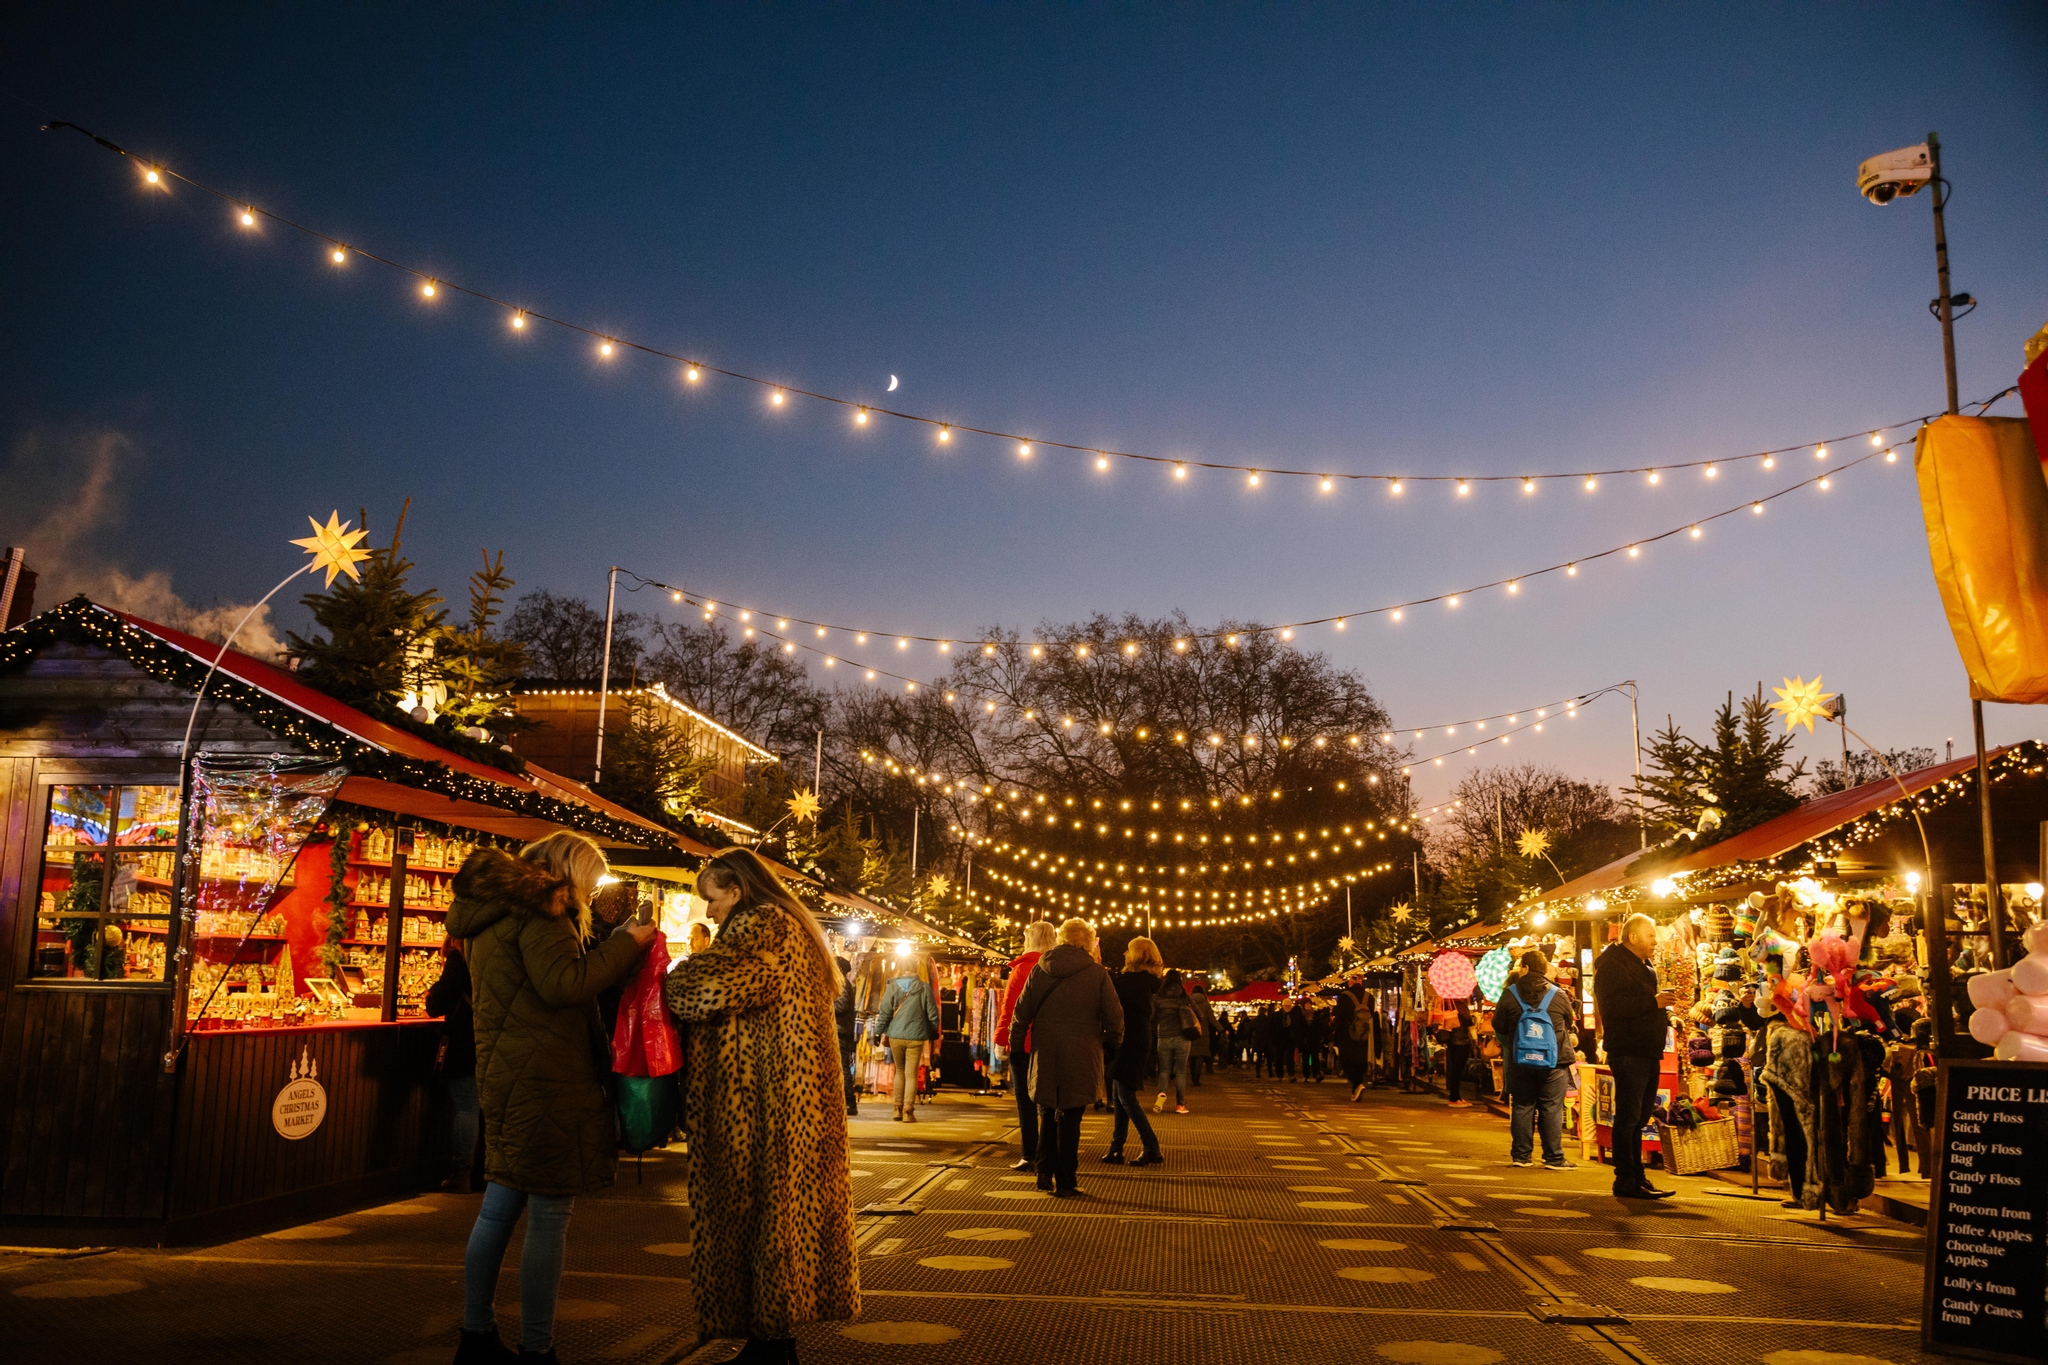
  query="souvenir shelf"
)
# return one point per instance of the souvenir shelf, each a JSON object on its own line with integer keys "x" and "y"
{"x": 429, "y": 890}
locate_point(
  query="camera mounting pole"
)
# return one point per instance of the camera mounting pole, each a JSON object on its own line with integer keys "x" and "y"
{"x": 1948, "y": 317}
{"x": 1994, "y": 910}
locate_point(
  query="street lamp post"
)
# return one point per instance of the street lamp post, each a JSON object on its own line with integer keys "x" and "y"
{"x": 1881, "y": 179}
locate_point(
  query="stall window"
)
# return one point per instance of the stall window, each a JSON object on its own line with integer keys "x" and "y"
{"x": 103, "y": 911}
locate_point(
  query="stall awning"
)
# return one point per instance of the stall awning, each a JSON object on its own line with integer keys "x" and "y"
{"x": 1774, "y": 837}
{"x": 1252, "y": 993}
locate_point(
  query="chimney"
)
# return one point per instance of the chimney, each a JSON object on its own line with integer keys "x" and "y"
{"x": 17, "y": 590}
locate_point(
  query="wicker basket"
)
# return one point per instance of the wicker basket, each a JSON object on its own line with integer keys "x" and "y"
{"x": 1711, "y": 1146}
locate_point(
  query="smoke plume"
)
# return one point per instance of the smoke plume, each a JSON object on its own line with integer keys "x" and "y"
{"x": 60, "y": 499}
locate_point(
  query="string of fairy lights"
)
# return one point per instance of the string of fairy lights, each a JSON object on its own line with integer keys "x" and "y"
{"x": 752, "y": 624}
{"x": 1106, "y": 817}
{"x": 1177, "y": 907}
{"x": 694, "y": 372}
{"x": 1226, "y": 856}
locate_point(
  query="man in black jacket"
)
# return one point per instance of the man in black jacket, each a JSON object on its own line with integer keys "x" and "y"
{"x": 1633, "y": 1025}
{"x": 843, "y": 1019}
{"x": 449, "y": 998}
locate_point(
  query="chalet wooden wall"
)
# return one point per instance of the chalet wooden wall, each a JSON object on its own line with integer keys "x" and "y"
{"x": 233, "y": 1170}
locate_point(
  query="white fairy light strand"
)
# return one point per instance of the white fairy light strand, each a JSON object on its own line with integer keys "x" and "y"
{"x": 158, "y": 176}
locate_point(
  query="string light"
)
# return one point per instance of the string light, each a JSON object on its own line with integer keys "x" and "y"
{"x": 605, "y": 349}
{"x": 1024, "y": 450}
{"x": 156, "y": 174}
{"x": 518, "y": 321}
{"x": 427, "y": 290}
{"x": 1253, "y": 479}
{"x": 340, "y": 257}
{"x": 691, "y": 374}
{"x": 248, "y": 218}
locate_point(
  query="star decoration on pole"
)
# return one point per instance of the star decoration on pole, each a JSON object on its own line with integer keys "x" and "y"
{"x": 1533, "y": 843}
{"x": 804, "y": 805}
{"x": 1401, "y": 912}
{"x": 1802, "y": 703}
{"x": 938, "y": 886}
{"x": 333, "y": 548}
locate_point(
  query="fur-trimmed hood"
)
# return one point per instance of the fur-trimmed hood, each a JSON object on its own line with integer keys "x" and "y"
{"x": 493, "y": 885}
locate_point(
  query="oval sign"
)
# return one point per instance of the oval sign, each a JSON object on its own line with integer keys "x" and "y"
{"x": 299, "y": 1107}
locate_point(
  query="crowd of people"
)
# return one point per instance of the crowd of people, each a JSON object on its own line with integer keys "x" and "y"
{"x": 771, "y": 1207}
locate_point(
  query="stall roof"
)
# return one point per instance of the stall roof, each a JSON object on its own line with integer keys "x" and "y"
{"x": 1774, "y": 837}
{"x": 1252, "y": 993}
{"x": 282, "y": 686}
{"x": 853, "y": 900}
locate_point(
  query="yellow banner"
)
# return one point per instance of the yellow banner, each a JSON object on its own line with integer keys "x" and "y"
{"x": 1986, "y": 504}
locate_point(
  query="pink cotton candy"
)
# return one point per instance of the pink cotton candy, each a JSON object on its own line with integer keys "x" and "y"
{"x": 1987, "y": 1026}
{"x": 2030, "y": 974}
{"x": 1992, "y": 989}
{"x": 2028, "y": 1012}
{"x": 2021, "y": 1047}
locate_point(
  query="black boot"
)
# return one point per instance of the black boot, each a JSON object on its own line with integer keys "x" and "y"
{"x": 766, "y": 1351}
{"x": 483, "y": 1348}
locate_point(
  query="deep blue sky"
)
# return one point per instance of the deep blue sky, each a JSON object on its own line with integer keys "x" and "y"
{"x": 1444, "y": 238}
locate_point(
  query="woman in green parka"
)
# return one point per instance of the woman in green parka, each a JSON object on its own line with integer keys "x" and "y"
{"x": 541, "y": 1061}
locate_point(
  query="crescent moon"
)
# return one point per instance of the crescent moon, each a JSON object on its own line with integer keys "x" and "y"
{"x": 892, "y": 383}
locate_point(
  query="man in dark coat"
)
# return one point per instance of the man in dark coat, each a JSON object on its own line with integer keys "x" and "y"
{"x": 846, "y": 1025}
{"x": 1070, "y": 1012}
{"x": 448, "y": 998}
{"x": 1633, "y": 1025}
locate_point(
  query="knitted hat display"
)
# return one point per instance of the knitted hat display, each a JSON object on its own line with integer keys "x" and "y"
{"x": 1728, "y": 965}
{"x": 1699, "y": 1050}
{"x": 1730, "y": 1043}
{"x": 1719, "y": 926}
{"x": 1729, "y": 1081}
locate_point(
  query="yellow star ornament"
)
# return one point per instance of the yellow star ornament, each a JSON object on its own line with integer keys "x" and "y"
{"x": 1533, "y": 843}
{"x": 333, "y": 548}
{"x": 1402, "y": 911}
{"x": 803, "y": 806}
{"x": 1802, "y": 703}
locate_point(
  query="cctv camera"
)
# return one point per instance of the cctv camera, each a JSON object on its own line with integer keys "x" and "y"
{"x": 1885, "y": 178}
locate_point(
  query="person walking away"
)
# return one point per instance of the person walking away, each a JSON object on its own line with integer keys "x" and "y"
{"x": 1204, "y": 1049}
{"x": 1038, "y": 936}
{"x": 771, "y": 1198}
{"x": 549, "y": 1131}
{"x": 1070, "y": 1009}
{"x": 1354, "y": 1034}
{"x": 1633, "y": 1026}
{"x": 449, "y": 998}
{"x": 1458, "y": 1056}
{"x": 846, "y": 1024}
{"x": 907, "y": 1019}
{"x": 1173, "y": 1021}
{"x": 1534, "y": 1023}
{"x": 1137, "y": 987}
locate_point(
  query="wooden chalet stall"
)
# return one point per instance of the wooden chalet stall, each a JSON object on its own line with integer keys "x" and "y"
{"x": 197, "y": 1041}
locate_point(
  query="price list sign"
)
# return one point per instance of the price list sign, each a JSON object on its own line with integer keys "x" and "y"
{"x": 1987, "y": 1229}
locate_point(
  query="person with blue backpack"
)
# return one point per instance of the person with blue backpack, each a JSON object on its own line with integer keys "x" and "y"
{"x": 1534, "y": 1021}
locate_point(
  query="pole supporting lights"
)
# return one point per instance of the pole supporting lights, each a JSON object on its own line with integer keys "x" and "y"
{"x": 1881, "y": 179}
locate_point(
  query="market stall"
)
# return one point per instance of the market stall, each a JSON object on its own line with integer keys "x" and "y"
{"x": 1820, "y": 961}
{"x": 211, "y": 975}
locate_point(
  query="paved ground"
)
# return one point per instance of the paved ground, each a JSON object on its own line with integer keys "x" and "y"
{"x": 1287, "y": 1225}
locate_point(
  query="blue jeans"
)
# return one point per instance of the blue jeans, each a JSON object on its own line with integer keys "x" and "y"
{"x": 1129, "y": 1110}
{"x": 1537, "y": 1097}
{"x": 463, "y": 1121}
{"x": 540, "y": 1262}
{"x": 1173, "y": 1067}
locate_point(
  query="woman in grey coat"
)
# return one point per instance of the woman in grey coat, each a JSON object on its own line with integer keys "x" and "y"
{"x": 1071, "y": 1011}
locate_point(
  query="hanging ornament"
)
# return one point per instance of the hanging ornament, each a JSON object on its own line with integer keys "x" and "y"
{"x": 1451, "y": 977}
{"x": 1802, "y": 703}
{"x": 1491, "y": 973}
{"x": 803, "y": 806}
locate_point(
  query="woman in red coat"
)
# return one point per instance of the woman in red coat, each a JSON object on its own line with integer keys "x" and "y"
{"x": 1038, "y": 936}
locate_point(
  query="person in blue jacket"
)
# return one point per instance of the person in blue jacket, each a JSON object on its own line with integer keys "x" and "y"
{"x": 907, "y": 1021}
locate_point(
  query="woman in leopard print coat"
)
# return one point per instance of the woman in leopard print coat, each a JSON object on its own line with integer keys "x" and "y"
{"x": 771, "y": 1203}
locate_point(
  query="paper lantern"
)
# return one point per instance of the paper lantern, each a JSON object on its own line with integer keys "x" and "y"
{"x": 1450, "y": 976}
{"x": 1491, "y": 973}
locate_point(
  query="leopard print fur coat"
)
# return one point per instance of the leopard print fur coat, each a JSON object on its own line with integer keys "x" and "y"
{"x": 771, "y": 1202}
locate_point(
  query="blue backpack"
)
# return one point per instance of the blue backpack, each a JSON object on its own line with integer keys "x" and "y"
{"x": 1535, "y": 1037}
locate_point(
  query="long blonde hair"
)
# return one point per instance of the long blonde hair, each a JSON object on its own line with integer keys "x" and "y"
{"x": 1142, "y": 955}
{"x": 578, "y": 862}
{"x": 758, "y": 885}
